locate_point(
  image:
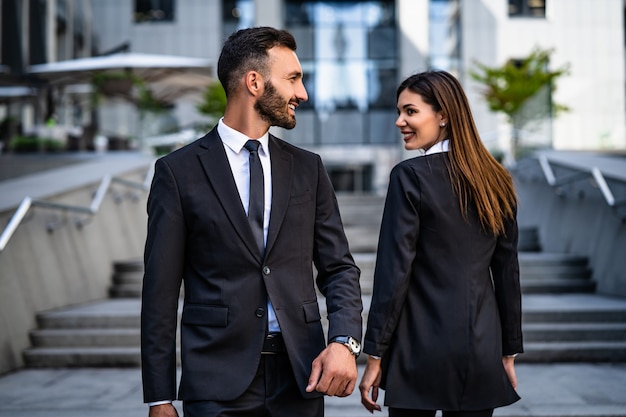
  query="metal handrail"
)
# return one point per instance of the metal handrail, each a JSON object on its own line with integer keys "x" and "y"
{"x": 551, "y": 178}
{"x": 94, "y": 207}
{"x": 595, "y": 173}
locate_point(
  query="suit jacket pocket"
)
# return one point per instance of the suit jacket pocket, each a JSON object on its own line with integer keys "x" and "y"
{"x": 205, "y": 315}
{"x": 311, "y": 312}
{"x": 299, "y": 198}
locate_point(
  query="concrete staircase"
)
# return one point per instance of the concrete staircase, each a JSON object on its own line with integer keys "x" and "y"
{"x": 127, "y": 279}
{"x": 103, "y": 333}
{"x": 575, "y": 327}
{"x": 555, "y": 273}
{"x": 564, "y": 321}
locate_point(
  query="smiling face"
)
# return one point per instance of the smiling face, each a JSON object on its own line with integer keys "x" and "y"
{"x": 283, "y": 90}
{"x": 419, "y": 124}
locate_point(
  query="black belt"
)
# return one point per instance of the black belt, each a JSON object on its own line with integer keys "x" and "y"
{"x": 273, "y": 344}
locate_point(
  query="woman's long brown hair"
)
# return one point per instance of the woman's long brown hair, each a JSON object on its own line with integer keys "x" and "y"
{"x": 475, "y": 173}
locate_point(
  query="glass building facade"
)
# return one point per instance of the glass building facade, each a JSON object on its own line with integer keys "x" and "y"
{"x": 236, "y": 14}
{"x": 444, "y": 39}
{"x": 348, "y": 52}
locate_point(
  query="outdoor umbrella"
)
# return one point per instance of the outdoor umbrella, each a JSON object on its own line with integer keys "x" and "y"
{"x": 168, "y": 76}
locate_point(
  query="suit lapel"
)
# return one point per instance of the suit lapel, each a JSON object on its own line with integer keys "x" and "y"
{"x": 215, "y": 164}
{"x": 282, "y": 173}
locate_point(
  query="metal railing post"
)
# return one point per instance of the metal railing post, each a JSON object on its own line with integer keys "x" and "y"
{"x": 93, "y": 208}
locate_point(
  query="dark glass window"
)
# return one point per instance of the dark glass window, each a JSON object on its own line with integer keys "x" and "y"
{"x": 350, "y": 178}
{"x": 348, "y": 51}
{"x": 236, "y": 14}
{"x": 444, "y": 35}
{"x": 154, "y": 11}
{"x": 527, "y": 8}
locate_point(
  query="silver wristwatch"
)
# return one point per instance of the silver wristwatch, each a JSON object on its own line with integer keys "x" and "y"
{"x": 350, "y": 342}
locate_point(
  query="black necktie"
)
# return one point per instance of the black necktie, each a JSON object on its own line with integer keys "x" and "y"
{"x": 256, "y": 205}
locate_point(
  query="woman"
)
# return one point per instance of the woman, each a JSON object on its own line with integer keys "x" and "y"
{"x": 445, "y": 319}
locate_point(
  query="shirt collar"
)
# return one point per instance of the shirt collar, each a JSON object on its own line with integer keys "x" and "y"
{"x": 443, "y": 146}
{"x": 235, "y": 140}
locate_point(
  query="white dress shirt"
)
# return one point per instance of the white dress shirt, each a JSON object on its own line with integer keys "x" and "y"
{"x": 443, "y": 146}
{"x": 234, "y": 141}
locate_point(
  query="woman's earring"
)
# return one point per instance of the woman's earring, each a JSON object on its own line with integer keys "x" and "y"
{"x": 442, "y": 124}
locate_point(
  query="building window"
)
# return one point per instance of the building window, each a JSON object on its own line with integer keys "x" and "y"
{"x": 236, "y": 14}
{"x": 348, "y": 51}
{"x": 527, "y": 8}
{"x": 154, "y": 11}
{"x": 350, "y": 178}
{"x": 444, "y": 35}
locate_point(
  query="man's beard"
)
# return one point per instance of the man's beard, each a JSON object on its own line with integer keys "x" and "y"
{"x": 273, "y": 109}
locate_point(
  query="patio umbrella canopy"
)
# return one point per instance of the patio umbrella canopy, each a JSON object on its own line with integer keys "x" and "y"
{"x": 168, "y": 76}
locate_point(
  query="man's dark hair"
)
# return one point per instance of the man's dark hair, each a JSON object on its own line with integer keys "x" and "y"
{"x": 246, "y": 50}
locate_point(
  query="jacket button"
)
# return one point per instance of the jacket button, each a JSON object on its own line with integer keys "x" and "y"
{"x": 266, "y": 270}
{"x": 260, "y": 312}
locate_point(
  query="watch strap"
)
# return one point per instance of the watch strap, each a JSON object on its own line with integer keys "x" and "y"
{"x": 351, "y": 343}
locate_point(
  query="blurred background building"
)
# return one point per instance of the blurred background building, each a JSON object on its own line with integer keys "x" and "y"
{"x": 354, "y": 53}
{"x": 93, "y": 77}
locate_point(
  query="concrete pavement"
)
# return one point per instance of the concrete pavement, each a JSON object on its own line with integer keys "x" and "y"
{"x": 547, "y": 390}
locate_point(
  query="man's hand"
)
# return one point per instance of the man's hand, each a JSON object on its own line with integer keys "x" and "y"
{"x": 509, "y": 367}
{"x": 163, "y": 410}
{"x": 370, "y": 382}
{"x": 334, "y": 371}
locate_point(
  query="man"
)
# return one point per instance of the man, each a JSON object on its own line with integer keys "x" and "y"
{"x": 251, "y": 336}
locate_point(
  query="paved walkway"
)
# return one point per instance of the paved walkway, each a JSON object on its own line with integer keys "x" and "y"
{"x": 547, "y": 390}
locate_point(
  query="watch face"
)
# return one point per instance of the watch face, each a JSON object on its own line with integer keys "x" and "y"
{"x": 354, "y": 345}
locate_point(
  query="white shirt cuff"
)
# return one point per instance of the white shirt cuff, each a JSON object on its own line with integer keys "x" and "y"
{"x": 159, "y": 402}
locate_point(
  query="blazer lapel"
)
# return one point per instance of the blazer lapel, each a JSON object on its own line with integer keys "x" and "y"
{"x": 220, "y": 176}
{"x": 282, "y": 172}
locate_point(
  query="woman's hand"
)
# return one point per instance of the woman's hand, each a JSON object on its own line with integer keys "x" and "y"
{"x": 509, "y": 367}
{"x": 370, "y": 382}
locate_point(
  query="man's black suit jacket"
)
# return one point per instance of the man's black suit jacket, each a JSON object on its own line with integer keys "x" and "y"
{"x": 198, "y": 234}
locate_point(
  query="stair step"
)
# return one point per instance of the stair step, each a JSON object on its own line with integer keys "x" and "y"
{"x": 563, "y": 269}
{"x": 557, "y": 278}
{"x": 528, "y": 239}
{"x": 361, "y": 209}
{"x": 110, "y": 337}
{"x": 75, "y": 357}
{"x": 550, "y": 259}
{"x": 573, "y": 316}
{"x": 76, "y": 321}
{"x": 571, "y": 308}
{"x": 366, "y": 263}
{"x": 587, "y": 351}
{"x": 362, "y": 238}
{"x": 127, "y": 279}
{"x": 534, "y": 352}
{"x": 121, "y": 278}
{"x": 126, "y": 290}
{"x": 130, "y": 265}
{"x": 556, "y": 285}
{"x": 563, "y": 332}
{"x": 104, "y": 314}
